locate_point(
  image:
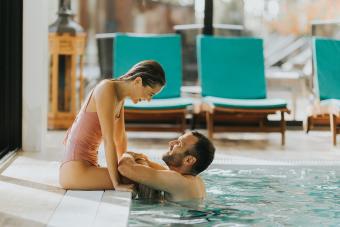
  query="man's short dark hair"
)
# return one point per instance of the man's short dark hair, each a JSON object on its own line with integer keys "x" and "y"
{"x": 203, "y": 151}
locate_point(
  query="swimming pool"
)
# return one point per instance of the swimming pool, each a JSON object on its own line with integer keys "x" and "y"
{"x": 253, "y": 196}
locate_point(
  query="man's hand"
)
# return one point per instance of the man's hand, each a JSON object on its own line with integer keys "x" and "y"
{"x": 137, "y": 156}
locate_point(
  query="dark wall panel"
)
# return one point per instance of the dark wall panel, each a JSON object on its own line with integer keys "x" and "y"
{"x": 11, "y": 14}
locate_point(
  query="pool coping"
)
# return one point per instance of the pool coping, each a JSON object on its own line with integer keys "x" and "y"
{"x": 296, "y": 163}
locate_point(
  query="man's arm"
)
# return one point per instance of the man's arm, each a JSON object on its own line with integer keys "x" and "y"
{"x": 165, "y": 180}
{"x": 156, "y": 165}
{"x": 151, "y": 164}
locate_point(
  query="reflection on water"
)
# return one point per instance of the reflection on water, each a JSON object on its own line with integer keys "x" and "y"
{"x": 253, "y": 196}
{"x": 146, "y": 213}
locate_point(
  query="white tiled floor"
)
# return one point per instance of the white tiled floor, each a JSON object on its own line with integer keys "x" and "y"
{"x": 30, "y": 194}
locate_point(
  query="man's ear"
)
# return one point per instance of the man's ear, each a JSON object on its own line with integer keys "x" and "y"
{"x": 138, "y": 80}
{"x": 189, "y": 160}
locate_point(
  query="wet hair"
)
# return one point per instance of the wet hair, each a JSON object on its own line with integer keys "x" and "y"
{"x": 151, "y": 73}
{"x": 142, "y": 191}
{"x": 203, "y": 151}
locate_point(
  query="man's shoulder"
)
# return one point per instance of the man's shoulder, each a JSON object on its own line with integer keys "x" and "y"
{"x": 176, "y": 177}
{"x": 192, "y": 187}
{"x": 200, "y": 180}
{"x": 196, "y": 181}
{"x": 171, "y": 172}
{"x": 193, "y": 179}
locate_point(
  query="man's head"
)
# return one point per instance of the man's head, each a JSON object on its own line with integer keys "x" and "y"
{"x": 190, "y": 154}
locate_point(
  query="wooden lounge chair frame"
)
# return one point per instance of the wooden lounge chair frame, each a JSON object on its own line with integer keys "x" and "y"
{"x": 232, "y": 104}
{"x": 256, "y": 117}
{"x": 326, "y": 117}
{"x": 167, "y": 120}
{"x": 328, "y": 121}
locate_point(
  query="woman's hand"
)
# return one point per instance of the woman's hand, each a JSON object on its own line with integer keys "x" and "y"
{"x": 142, "y": 156}
{"x": 124, "y": 187}
{"x": 138, "y": 155}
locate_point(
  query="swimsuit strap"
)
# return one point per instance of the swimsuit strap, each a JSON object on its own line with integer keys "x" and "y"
{"x": 83, "y": 107}
{"x": 88, "y": 100}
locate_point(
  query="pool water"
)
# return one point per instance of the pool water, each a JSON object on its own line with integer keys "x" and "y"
{"x": 253, "y": 196}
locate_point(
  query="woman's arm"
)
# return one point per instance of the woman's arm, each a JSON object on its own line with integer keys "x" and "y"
{"x": 119, "y": 136}
{"x": 105, "y": 103}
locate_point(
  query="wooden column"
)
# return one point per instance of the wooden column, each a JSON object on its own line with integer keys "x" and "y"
{"x": 68, "y": 48}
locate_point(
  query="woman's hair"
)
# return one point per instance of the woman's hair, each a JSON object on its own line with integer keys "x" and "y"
{"x": 150, "y": 71}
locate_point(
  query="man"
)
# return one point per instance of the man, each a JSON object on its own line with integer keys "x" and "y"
{"x": 188, "y": 156}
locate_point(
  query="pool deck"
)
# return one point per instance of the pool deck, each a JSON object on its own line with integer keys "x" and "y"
{"x": 30, "y": 194}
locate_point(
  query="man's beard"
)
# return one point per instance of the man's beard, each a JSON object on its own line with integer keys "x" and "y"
{"x": 174, "y": 160}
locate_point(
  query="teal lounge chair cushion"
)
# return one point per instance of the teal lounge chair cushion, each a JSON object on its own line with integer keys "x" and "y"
{"x": 327, "y": 102}
{"x": 231, "y": 67}
{"x": 246, "y": 103}
{"x": 327, "y": 67}
{"x": 166, "y": 49}
{"x": 160, "y": 104}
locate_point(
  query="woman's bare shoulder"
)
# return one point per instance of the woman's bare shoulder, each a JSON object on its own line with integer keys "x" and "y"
{"x": 104, "y": 84}
{"x": 104, "y": 88}
{"x": 104, "y": 92}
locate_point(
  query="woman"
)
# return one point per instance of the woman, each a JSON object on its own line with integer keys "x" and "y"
{"x": 102, "y": 118}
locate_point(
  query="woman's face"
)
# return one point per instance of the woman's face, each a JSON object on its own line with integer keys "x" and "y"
{"x": 142, "y": 93}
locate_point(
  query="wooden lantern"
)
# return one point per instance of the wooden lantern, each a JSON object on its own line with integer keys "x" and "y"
{"x": 66, "y": 47}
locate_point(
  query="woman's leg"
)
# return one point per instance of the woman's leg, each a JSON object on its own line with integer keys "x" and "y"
{"x": 81, "y": 175}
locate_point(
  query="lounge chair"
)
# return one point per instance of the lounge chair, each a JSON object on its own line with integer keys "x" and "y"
{"x": 326, "y": 109}
{"x": 168, "y": 109}
{"x": 232, "y": 76}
